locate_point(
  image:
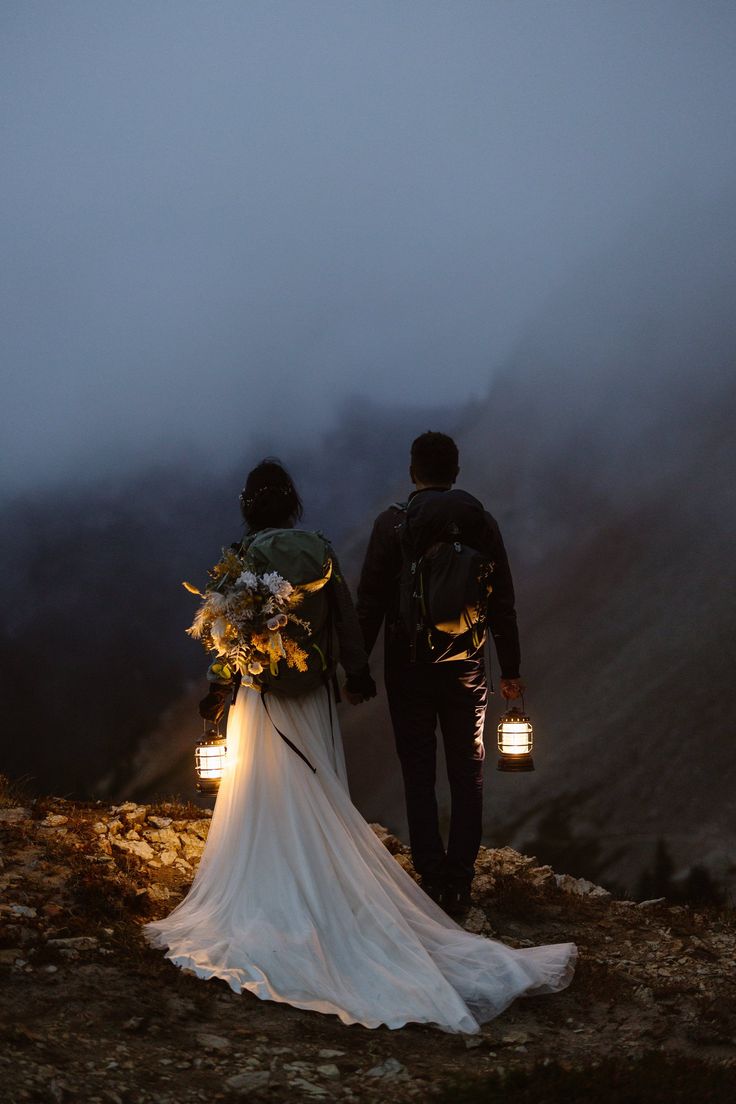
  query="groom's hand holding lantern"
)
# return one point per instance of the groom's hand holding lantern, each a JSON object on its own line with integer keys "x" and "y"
{"x": 511, "y": 688}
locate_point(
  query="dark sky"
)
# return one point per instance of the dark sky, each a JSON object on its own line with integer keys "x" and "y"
{"x": 229, "y": 217}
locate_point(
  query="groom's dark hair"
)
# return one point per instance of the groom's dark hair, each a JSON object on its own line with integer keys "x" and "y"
{"x": 434, "y": 458}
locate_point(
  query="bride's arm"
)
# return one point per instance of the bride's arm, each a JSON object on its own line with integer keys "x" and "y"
{"x": 351, "y": 649}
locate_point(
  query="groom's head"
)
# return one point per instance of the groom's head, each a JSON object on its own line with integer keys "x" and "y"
{"x": 434, "y": 460}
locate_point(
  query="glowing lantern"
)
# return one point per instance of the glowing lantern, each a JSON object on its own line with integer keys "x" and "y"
{"x": 209, "y": 761}
{"x": 515, "y": 740}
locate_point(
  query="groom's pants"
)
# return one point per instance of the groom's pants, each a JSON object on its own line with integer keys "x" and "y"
{"x": 455, "y": 694}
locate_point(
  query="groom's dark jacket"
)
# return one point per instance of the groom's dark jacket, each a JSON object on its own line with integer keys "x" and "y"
{"x": 378, "y": 593}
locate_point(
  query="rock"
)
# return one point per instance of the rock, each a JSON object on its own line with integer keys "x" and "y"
{"x": 159, "y": 821}
{"x": 23, "y": 910}
{"x": 126, "y": 807}
{"x": 404, "y": 861}
{"x": 199, "y": 828}
{"x": 54, "y": 820}
{"x": 330, "y": 1071}
{"x": 139, "y": 848}
{"x": 100, "y": 828}
{"x": 392, "y": 843}
{"x": 331, "y": 1053}
{"x": 651, "y": 903}
{"x": 136, "y": 815}
{"x": 473, "y": 1041}
{"x": 76, "y": 943}
{"x": 193, "y": 847}
{"x": 213, "y": 1042}
{"x": 540, "y": 875}
{"x": 503, "y": 860}
{"x": 158, "y": 892}
{"x": 581, "y": 887}
{"x": 248, "y": 1081}
{"x": 390, "y": 1070}
{"x": 308, "y": 1087}
{"x": 165, "y": 837}
{"x": 166, "y": 858}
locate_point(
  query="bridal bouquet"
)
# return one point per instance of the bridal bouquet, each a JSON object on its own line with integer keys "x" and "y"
{"x": 244, "y": 619}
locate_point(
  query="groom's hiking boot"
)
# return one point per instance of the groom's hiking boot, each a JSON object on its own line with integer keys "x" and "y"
{"x": 434, "y": 888}
{"x": 456, "y": 900}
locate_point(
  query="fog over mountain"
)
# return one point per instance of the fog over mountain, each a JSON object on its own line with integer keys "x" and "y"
{"x": 225, "y": 219}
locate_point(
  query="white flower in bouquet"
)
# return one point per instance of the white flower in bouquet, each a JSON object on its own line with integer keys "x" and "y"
{"x": 279, "y": 587}
{"x": 247, "y": 579}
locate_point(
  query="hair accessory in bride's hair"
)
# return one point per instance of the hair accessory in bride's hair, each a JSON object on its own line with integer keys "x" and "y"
{"x": 261, "y": 491}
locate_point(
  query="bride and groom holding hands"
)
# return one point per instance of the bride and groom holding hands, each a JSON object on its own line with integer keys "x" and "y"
{"x": 295, "y": 899}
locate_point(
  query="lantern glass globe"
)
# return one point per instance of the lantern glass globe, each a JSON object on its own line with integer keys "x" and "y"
{"x": 210, "y": 757}
{"x": 515, "y": 741}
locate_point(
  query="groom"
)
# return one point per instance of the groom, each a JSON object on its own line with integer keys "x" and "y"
{"x": 421, "y": 691}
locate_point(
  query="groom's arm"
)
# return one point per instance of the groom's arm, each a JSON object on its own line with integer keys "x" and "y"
{"x": 502, "y": 606}
{"x": 378, "y": 586}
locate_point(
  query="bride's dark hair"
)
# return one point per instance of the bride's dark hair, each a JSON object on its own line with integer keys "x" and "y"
{"x": 269, "y": 498}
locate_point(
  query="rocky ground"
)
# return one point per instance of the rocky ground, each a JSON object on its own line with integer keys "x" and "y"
{"x": 90, "y": 1013}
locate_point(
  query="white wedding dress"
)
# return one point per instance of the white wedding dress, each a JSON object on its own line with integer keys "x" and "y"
{"x": 296, "y": 899}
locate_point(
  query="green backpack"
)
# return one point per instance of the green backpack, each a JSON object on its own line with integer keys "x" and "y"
{"x": 303, "y": 559}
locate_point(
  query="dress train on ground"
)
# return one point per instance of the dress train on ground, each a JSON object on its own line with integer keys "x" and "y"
{"x": 296, "y": 900}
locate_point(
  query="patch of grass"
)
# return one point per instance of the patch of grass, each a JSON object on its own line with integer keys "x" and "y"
{"x": 15, "y": 791}
{"x": 597, "y": 981}
{"x": 653, "y": 1078}
{"x": 513, "y": 896}
{"x": 104, "y": 896}
{"x": 178, "y": 808}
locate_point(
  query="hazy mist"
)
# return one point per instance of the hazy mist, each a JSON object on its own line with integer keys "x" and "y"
{"x": 233, "y": 219}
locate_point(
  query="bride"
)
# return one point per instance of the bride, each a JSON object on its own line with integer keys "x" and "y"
{"x": 295, "y": 899}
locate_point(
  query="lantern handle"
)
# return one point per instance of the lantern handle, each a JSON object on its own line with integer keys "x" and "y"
{"x": 511, "y": 703}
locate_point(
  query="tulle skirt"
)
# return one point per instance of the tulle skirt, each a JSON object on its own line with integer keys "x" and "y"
{"x": 296, "y": 900}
